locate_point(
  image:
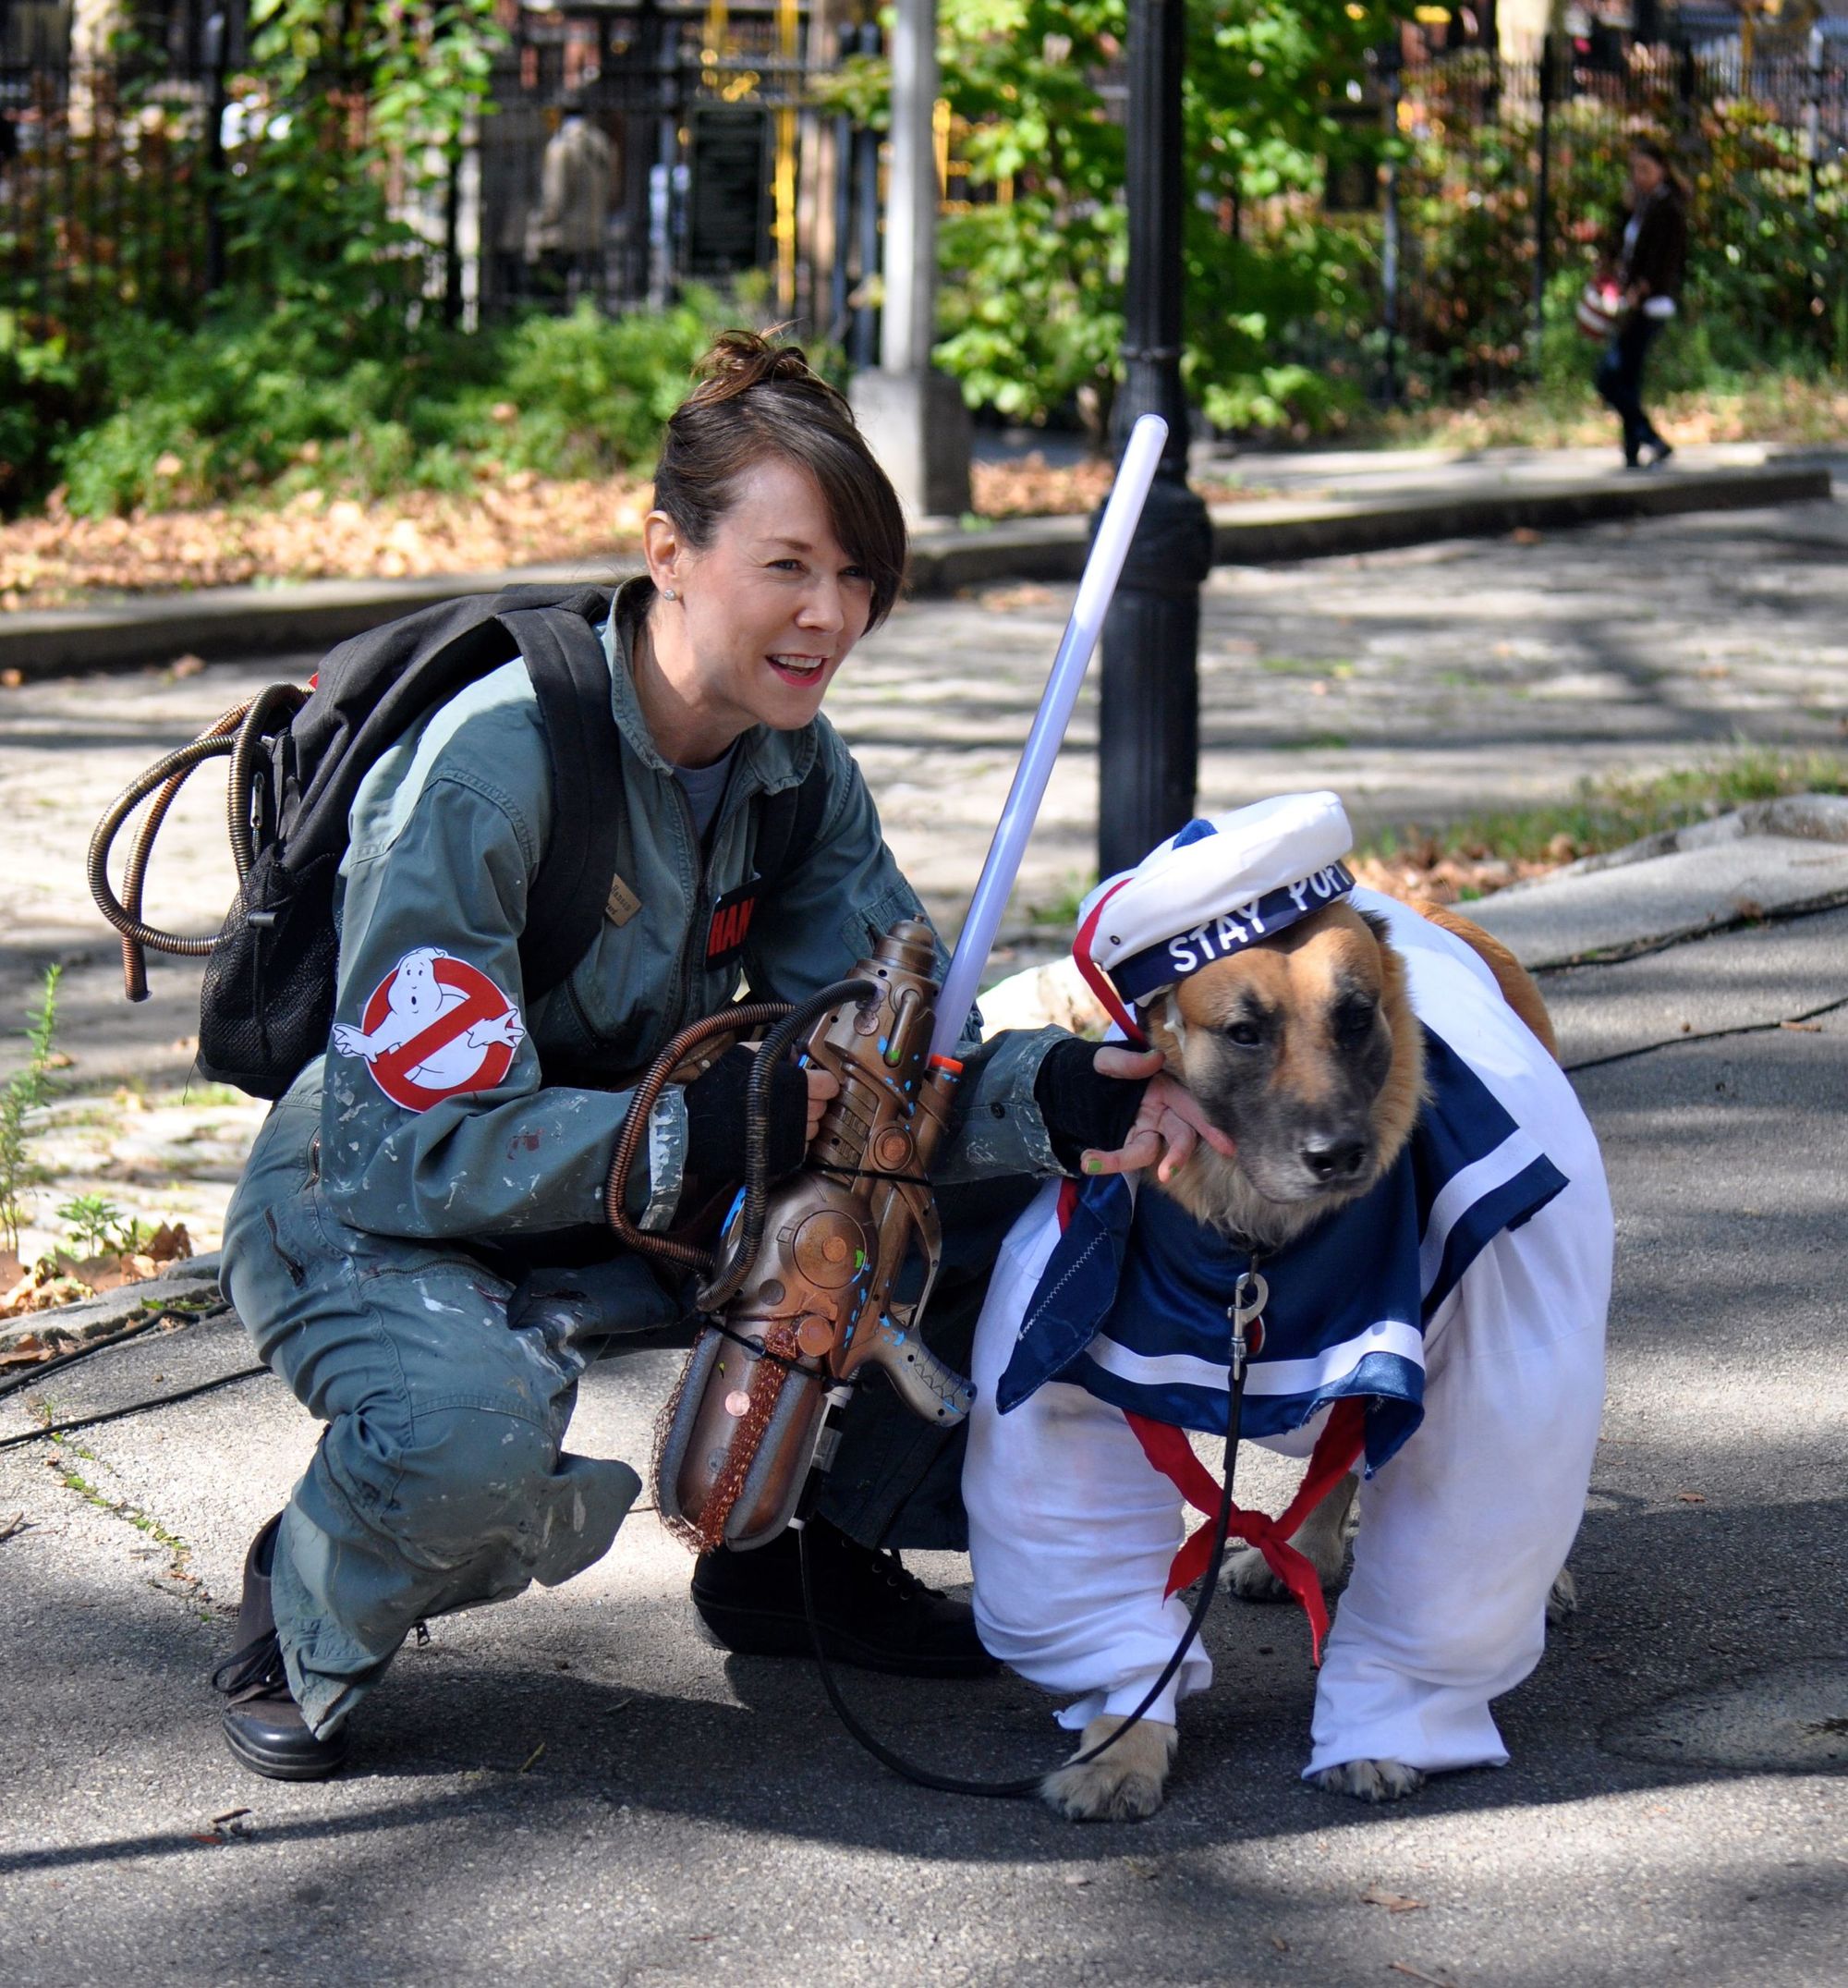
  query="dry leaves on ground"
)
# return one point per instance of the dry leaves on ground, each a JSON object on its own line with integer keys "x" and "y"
{"x": 62, "y": 1280}
{"x": 1448, "y": 876}
{"x": 517, "y": 520}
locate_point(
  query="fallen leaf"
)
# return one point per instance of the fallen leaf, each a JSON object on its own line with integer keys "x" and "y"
{"x": 532, "y": 1756}
{"x": 14, "y": 1522}
{"x": 1280, "y": 1942}
{"x": 1525, "y": 535}
{"x": 1801, "y": 1027}
{"x": 1393, "y": 1900}
{"x": 12, "y": 679}
{"x": 1418, "y": 1974}
{"x": 1748, "y": 907}
{"x": 230, "y": 1815}
{"x": 1692, "y": 1498}
{"x": 207, "y": 1835}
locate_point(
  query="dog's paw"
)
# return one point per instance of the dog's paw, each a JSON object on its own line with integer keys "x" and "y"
{"x": 1122, "y": 1785}
{"x": 1249, "y": 1575}
{"x": 1562, "y": 1598}
{"x": 1369, "y": 1780}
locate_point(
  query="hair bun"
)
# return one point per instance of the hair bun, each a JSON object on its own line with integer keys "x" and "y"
{"x": 739, "y": 360}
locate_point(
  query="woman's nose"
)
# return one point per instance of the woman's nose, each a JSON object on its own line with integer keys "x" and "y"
{"x": 825, "y": 606}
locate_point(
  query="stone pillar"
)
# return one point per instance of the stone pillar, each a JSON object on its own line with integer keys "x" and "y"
{"x": 913, "y": 416}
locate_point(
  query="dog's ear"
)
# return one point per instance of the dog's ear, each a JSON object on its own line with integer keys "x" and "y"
{"x": 1377, "y": 926}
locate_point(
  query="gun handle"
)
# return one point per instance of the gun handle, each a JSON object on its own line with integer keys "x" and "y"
{"x": 927, "y": 1385}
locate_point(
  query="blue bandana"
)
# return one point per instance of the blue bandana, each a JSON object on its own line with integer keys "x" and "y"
{"x": 1133, "y": 1303}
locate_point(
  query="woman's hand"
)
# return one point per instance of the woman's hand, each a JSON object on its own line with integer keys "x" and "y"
{"x": 823, "y": 1088}
{"x": 1167, "y": 1128}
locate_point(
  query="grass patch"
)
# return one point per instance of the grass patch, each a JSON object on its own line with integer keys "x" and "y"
{"x": 1610, "y": 812}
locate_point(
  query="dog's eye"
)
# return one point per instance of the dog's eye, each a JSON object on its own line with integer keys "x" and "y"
{"x": 1244, "y": 1034}
{"x": 1355, "y": 1018}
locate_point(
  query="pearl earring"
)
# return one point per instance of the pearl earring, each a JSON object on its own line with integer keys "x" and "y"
{"x": 667, "y": 594}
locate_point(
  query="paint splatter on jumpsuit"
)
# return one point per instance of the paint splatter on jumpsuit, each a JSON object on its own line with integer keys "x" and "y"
{"x": 374, "y": 1250}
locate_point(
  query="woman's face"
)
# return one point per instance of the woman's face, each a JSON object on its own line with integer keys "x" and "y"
{"x": 763, "y": 614}
{"x": 1645, "y": 173}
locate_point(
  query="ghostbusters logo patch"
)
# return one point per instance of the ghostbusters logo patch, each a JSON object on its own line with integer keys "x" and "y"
{"x": 433, "y": 1028}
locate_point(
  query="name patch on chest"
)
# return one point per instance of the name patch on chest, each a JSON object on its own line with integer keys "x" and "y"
{"x": 730, "y": 923}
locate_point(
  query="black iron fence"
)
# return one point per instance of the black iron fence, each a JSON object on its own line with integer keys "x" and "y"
{"x": 1509, "y": 181}
{"x": 616, "y": 168}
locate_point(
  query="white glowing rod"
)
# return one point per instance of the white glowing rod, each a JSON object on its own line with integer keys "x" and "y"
{"x": 1095, "y": 588}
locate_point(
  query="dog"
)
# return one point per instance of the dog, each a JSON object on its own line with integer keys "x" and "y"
{"x": 1303, "y": 1046}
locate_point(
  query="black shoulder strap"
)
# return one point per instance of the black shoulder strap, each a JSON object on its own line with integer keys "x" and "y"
{"x": 570, "y": 672}
{"x": 790, "y": 821}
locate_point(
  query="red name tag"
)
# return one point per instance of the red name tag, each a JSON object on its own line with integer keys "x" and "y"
{"x": 730, "y": 923}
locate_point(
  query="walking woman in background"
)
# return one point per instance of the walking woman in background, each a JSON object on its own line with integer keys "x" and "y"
{"x": 1649, "y": 255}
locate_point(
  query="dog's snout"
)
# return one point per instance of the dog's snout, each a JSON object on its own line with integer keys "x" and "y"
{"x": 1334, "y": 1160}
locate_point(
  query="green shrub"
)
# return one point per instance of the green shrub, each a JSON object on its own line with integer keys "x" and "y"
{"x": 273, "y": 404}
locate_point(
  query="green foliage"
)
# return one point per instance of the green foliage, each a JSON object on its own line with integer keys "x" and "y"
{"x": 1034, "y": 267}
{"x": 292, "y": 398}
{"x": 23, "y": 1093}
{"x": 94, "y": 1224}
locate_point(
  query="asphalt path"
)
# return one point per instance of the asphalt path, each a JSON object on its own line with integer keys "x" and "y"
{"x": 577, "y": 1782}
{"x": 1442, "y": 681}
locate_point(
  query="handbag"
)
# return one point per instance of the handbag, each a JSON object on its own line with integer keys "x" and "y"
{"x": 1600, "y": 310}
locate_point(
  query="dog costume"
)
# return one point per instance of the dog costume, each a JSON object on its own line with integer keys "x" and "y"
{"x": 1450, "y": 1321}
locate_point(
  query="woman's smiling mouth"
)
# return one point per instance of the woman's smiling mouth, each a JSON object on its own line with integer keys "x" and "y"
{"x": 797, "y": 669}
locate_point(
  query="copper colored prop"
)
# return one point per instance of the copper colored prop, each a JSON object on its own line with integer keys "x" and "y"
{"x": 815, "y": 1305}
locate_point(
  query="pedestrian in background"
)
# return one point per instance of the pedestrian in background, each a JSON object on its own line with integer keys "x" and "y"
{"x": 1648, "y": 255}
{"x": 565, "y": 234}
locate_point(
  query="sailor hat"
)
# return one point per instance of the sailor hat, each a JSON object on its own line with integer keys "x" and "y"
{"x": 1218, "y": 886}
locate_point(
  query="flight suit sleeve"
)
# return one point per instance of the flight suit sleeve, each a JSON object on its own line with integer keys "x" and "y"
{"x": 825, "y": 914}
{"x": 435, "y": 1122}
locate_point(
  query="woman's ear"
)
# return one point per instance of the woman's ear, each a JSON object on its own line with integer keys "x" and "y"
{"x": 663, "y": 549}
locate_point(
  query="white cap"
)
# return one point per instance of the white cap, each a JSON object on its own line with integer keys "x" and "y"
{"x": 1216, "y": 888}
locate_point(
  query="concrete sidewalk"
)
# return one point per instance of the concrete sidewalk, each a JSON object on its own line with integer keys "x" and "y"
{"x": 576, "y": 1785}
{"x": 1343, "y": 503}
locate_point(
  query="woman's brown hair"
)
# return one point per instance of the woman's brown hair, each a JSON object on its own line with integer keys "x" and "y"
{"x": 757, "y": 399}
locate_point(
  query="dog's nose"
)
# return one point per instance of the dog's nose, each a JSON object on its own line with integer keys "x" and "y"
{"x": 1334, "y": 1159}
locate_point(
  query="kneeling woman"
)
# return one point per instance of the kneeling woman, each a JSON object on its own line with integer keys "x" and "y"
{"x": 390, "y": 1238}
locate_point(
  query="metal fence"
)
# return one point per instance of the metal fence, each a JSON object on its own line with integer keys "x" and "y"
{"x": 620, "y": 157}
{"x": 1509, "y": 180}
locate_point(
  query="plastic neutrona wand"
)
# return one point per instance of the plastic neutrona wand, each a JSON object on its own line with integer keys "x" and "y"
{"x": 802, "y": 1295}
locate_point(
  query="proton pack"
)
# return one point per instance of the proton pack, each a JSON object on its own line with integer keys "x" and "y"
{"x": 298, "y": 759}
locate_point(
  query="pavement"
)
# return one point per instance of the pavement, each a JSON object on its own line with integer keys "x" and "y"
{"x": 577, "y": 1783}
{"x": 1317, "y": 504}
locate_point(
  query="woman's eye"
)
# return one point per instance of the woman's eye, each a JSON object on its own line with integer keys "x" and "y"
{"x": 1245, "y": 1034}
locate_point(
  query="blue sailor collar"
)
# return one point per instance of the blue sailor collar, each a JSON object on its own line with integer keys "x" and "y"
{"x": 1132, "y": 1302}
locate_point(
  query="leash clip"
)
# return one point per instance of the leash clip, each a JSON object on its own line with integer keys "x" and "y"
{"x": 1249, "y": 1296}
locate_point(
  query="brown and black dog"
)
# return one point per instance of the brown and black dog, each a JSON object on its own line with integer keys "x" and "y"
{"x": 1304, "y": 1052}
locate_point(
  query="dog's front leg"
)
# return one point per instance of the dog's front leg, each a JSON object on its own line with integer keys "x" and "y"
{"x": 1122, "y": 1785}
{"x": 1321, "y": 1539}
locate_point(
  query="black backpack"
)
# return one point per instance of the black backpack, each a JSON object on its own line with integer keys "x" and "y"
{"x": 298, "y": 762}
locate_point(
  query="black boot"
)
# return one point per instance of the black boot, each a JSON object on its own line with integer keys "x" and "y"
{"x": 262, "y": 1722}
{"x": 872, "y": 1612}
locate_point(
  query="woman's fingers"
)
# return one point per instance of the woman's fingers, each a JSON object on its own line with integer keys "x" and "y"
{"x": 1114, "y": 1060}
{"x": 1168, "y": 1128}
{"x": 823, "y": 1088}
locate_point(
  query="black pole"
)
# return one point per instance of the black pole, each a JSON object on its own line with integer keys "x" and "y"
{"x": 1148, "y": 725}
{"x": 1389, "y": 230}
{"x": 218, "y": 61}
{"x": 1543, "y": 219}
{"x": 863, "y": 344}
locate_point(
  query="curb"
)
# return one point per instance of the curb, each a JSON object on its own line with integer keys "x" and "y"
{"x": 312, "y": 616}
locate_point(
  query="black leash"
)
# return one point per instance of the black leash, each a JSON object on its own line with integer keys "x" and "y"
{"x": 1031, "y": 1784}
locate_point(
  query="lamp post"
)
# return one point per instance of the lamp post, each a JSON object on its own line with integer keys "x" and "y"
{"x": 1148, "y": 725}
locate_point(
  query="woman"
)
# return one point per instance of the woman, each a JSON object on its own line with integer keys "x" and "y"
{"x": 390, "y": 1243}
{"x": 1647, "y": 258}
